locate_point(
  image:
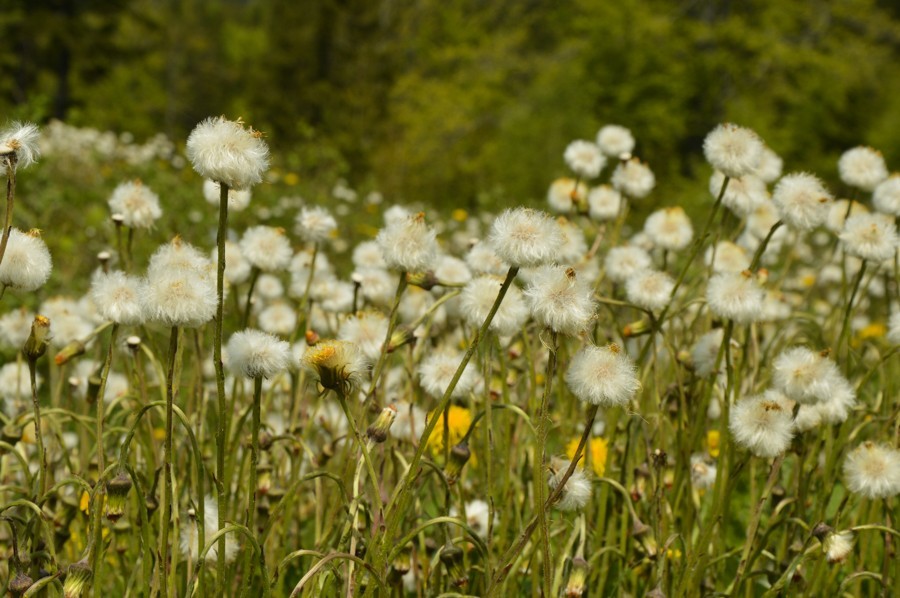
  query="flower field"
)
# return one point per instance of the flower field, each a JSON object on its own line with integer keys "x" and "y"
{"x": 213, "y": 386}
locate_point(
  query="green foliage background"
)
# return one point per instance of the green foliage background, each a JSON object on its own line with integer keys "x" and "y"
{"x": 464, "y": 102}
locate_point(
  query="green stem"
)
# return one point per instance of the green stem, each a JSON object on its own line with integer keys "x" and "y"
{"x": 11, "y": 160}
{"x": 254, "y": 276}
{"x": 392, "y": 323}
{"x": 757, "y": 257}
{"x": 221, "y": 428}
{"x": 167, "y": 498}
{"x": 845, "y": 326}
{"x": 540, "y": 454}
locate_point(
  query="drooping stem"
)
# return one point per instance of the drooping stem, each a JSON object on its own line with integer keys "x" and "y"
{"x": 167, "y": 497}
{"x": 757, "y": 257}
{"x": 222, "y": 424}
{"x": 11, "y": 160}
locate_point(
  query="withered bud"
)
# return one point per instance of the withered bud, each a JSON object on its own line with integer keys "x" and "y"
{"x": 459, "y": 456}
{"x": 117, "y": 490}
{"x": 74, "y": 349}
{"x": 400, "y": 337}
{"x": 424, "y": 280}
{"x": 133, "y": 342}
{"x": 19, "y": 584}
{"x": 118, "y": 219}
{"x": 37, "y": 342}
{"x": 577, "y": 584}
{"x": 78, "y": 578}
{"x": 638, "y": 328}
{"x": 378, "y": 431}
{"x": 821, "y": 530}
{"x": 312, "y": 337}
{"x": 452, "y": 558}
{"x": 11, "y": 433}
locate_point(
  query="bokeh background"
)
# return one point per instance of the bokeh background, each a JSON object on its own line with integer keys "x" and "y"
{"x": 462, "y": 103}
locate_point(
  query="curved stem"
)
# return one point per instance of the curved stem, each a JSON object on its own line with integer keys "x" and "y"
{"x": 10, "y": 200}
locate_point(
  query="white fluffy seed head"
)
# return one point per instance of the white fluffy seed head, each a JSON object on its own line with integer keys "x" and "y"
{"x": 870, "y": 236}
{"x": 565, "y": 195}
{"x": 226, "y": 152}
{"x": 190, "y": 537}
{"x": 177, "y": 256}
{"x": 452, "y": 270}
{"x": 838, "y": 214}
{"x": 437, "y": 370}
{"x": 20, "y": 139}
{"x": 735, "y": 296}
{"x": 649, "y": 289}
{"x": 584, "y": 158}
{"x": 525, "y": 238}
{"x": 278, "y": 318}
{"x": 727, "y": 257}
{"x": 804, "y": 375}
{"x": 15, "y": 327}
{"x": 315, "y": 224}
{"x": 762, "y": 424}
{"x": 770, "y": 166}
{"x": 742, "y": 195}
{"x": 574, "y": 246}
{"x": 703, "y": 472}
{"x": 604, "y": 203}
{"x": 633, "y": 178}
{"x": 615, "y": 141}
{"x": 560, "y": 300}
{"x": 735, "y": 151}
{"x": 118, "y": 297}
{"x": 479, "y": 295}
{"x": 183, "y": 298}
{"x": 26, "y": 264}
{"x": 256, "y": 354}
{"x": 623, "y": 262}
{"x": 669, "y": 228}
{"x": 367, "y": 330}
{"x": 873, "y": 470}
{"x": 368, "y": 255}
{"x": 408, "y": 245}
{"x": 267, "y": 248}
{"x": 482, "y": 258}
{"x": 886, "y": 197}
{"x": 802, "y": 200}
{"x": 238, "y": 199}
{"x": 138, "y": 205}
{"x": 705, "y": 352}
{"x": 838, "y": 546}
{"x": 862, "y": 167}
{"x": 577, "y": 490}
{"x": 603, "y": 376}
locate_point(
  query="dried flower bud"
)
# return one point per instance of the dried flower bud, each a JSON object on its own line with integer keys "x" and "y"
{"x": 11, "y": 433}
{"x": 19, "y": 584}
{"x": 425, "y": 280}
{"x": 78, "y": 579}
{"x": 452, "y": 558}
{"x": 459, "y": 456}
{"x": 37, "y": 342}
{"x": 378, "y": 431}
{"x": 133, "y": 342}
{"x": 117, "y": 490}
{"x": 821, "y": 530}
{"x": 638, "y": 328}
{"x": 577, "y": 584}
{"x": 74, "y": 349}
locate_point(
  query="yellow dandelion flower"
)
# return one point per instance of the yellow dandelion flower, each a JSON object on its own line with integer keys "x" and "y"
{"x": 460, "y": 215}
{"x": 599, "y": 449}
{"x": 712, "y": 443}
{"x": 873, "y": 330}
{"x": 458, "y": 419}
{"x": 291, "y": 179}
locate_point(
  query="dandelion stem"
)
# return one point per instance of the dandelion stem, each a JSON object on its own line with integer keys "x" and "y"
{"x": 757, "y": 257}
{"x": 167, "y": 497}
{"x": 540, "y": 454}
{"x": 222, "y": 423}
{"x": 845, "y": 326}
{"x": 254, "y": 276}
{"x": 392, "y": 323}
{"x": 11, "y": 160}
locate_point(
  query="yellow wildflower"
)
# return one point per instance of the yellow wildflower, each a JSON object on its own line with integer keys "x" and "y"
{"x": 712, "y": 443}
{"x": 598, "y": 453}
{"x": 458, "y": 419}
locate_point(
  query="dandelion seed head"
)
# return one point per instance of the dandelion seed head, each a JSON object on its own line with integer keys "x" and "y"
{"x": 525, "y": 238}
{"x": 585, "y": 159}
{"x": 409, "y": 245}
{"x": 118, "y": 297}
{"x": 802, "y": 200}
{"x": 137, "y": 203}
{"x": 559, "y": 300}
{"x": 226, "y": 152}
{"x": 735, "y": 151}
{"x": 633, "y": 178}
{"x": 735, "y": 296}
{"x": 20, "y": 139}
{"x": 603, "y": 376}
{"x": 26, "y": 264}
{"x": 862, "y": 167}
{"x": 762, "y": 424}
{"x": 266, "y": 248}
{"x": 873, "y": 470}
{"x": 615, "y": 141}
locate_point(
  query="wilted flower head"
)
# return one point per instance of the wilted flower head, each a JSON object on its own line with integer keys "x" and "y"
{"x": 615, "y": 141}
{"x": 525, "y": 238}
{"x": 886, "y": 198}
{"x": 256, "y": 354}
{"x": 870, "y": 236}
{"x": 577, "y": 490}
{"x": 267, "y": 248}
{"x": 633, "y": 178}
{"x": 735, "y": 296}
{"x": 604, "y": 203}
{"x": 26, "y": 264}
{"x": 20, "y": 139}
{"x": 560, "y": 300}
{"x": 338, "y": 365}
{"x": 238, "y": 199}
{"x": 118, "y": 297}
{"x": 762, "y": 424}
{"x": 479, "y": 295}
{"x": 873, "y": 470}
{"x": 802, "y": 200}
{"x": 138, "y": 205}
{"x": 408, "y": 245}
{"x": 584, "y": 158}
{"x": 735, "y": 151}
{"x": 603, "y": 376}
{"x": 315, "y": 224}
{"x": 437, "y": 370}
{"x": 862, "y": 167}
{"x": 838, "y": 546}
{"x": 226, "y": 152}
